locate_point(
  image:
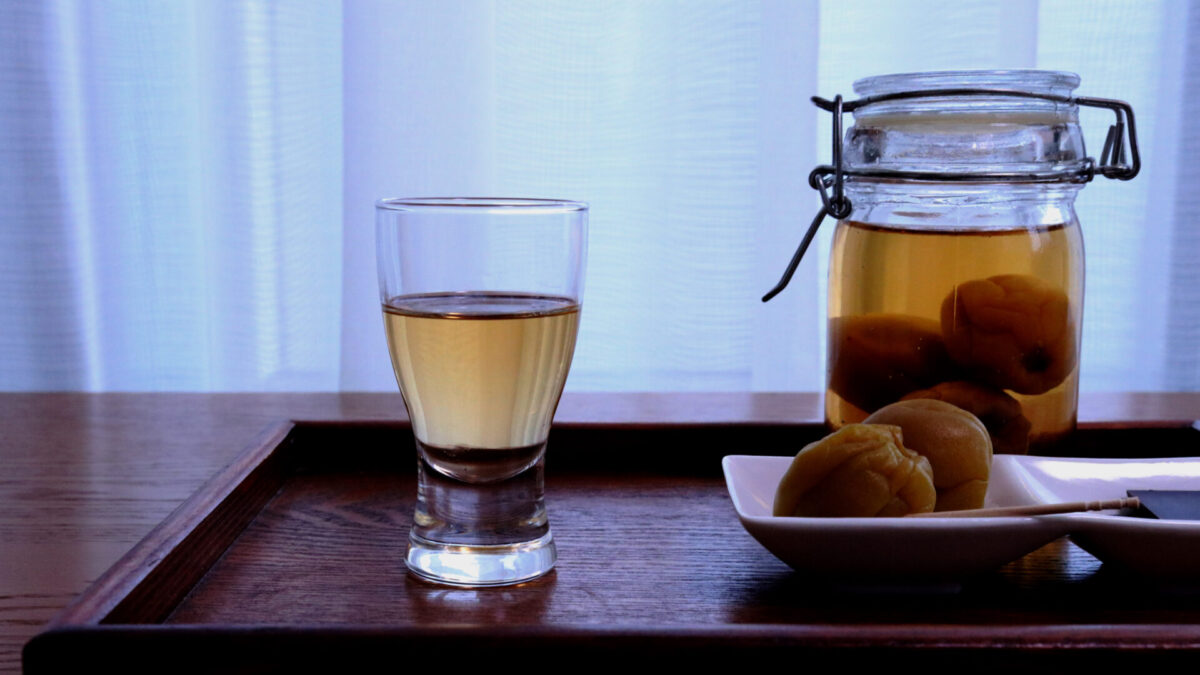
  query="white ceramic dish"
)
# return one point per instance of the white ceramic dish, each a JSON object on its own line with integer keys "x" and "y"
{"x": 954, "y": 547}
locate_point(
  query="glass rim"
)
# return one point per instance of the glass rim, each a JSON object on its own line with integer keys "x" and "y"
{"x": 522, "y": 204}
{"x": 1030, "y": 79}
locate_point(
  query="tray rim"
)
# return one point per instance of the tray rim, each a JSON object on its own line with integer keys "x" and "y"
{"x": 988, "y": 636}
{"x": 1035, "y": 648}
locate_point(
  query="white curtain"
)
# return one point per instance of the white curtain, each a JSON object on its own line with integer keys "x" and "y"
{"x": 187, "y": 187}
{"x": 170, "y": 179}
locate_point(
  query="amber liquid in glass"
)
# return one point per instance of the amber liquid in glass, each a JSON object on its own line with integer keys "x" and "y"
{"x": 986, "y": 319}
{"x": 481, "y": 375}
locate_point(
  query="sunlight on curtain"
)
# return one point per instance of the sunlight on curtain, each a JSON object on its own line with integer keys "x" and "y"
{"x": 173, "y": 179}
{"x": 634, "y": 107}
{"x": 188, "y": 186}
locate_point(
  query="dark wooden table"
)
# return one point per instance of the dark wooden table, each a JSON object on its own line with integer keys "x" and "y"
{"x": 85, "y": 476}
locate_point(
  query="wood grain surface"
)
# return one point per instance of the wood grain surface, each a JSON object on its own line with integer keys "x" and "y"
{"x": 658, "y": 548}
{"x": 87, "y": 476}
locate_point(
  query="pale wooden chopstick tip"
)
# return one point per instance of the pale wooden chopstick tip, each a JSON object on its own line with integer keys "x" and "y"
{"x": 1035, "y": 509}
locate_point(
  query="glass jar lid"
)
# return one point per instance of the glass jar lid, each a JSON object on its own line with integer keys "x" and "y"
{"x": 1026, "y": 123}
{"x": 1052, "y": 82}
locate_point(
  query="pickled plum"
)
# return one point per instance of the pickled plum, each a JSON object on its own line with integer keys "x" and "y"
{"x": 999, "y": 412}
{"x": 955, "y": 442}
{"x": 877, "y": 358}
{"x": 859, "y": 470}
{"x": 1011, "y": 331}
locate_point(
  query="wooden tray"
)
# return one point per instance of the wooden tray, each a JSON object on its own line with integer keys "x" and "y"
{"x": 292, "y": 557}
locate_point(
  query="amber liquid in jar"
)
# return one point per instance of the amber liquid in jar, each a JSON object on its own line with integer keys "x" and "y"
{"x": 988, "y": 320}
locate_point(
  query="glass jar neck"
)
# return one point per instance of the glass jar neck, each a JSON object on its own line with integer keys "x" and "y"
{"x": 962, "y": 206}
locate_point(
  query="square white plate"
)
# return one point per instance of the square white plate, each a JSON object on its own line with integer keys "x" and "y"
{"x": 953, "y": 547}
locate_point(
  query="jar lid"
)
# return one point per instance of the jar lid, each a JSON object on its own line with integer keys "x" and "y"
{"x": 1025, "y": 123}
{"x": 1054, "y": 82}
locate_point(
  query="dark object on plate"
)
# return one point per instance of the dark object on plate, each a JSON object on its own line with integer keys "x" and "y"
{"x": 1168, "y": 504}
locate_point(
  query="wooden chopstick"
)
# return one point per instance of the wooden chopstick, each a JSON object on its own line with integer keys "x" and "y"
{"x": 1035, "y": 509}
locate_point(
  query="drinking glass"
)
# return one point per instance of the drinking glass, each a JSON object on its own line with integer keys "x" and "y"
{"x": 481, "y": 302}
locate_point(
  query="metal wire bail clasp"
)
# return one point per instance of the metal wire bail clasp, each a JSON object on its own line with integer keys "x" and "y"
{"x": 838, "y": 206}
{"x": 1112, "y": 157}
{"x": 1112, "y": 163}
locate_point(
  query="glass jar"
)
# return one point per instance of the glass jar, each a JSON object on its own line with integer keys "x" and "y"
{"x": 958, "y": 272}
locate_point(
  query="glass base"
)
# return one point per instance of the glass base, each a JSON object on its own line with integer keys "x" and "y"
{"x": 459, "y": 565}
{"x": 480, "y": 534}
